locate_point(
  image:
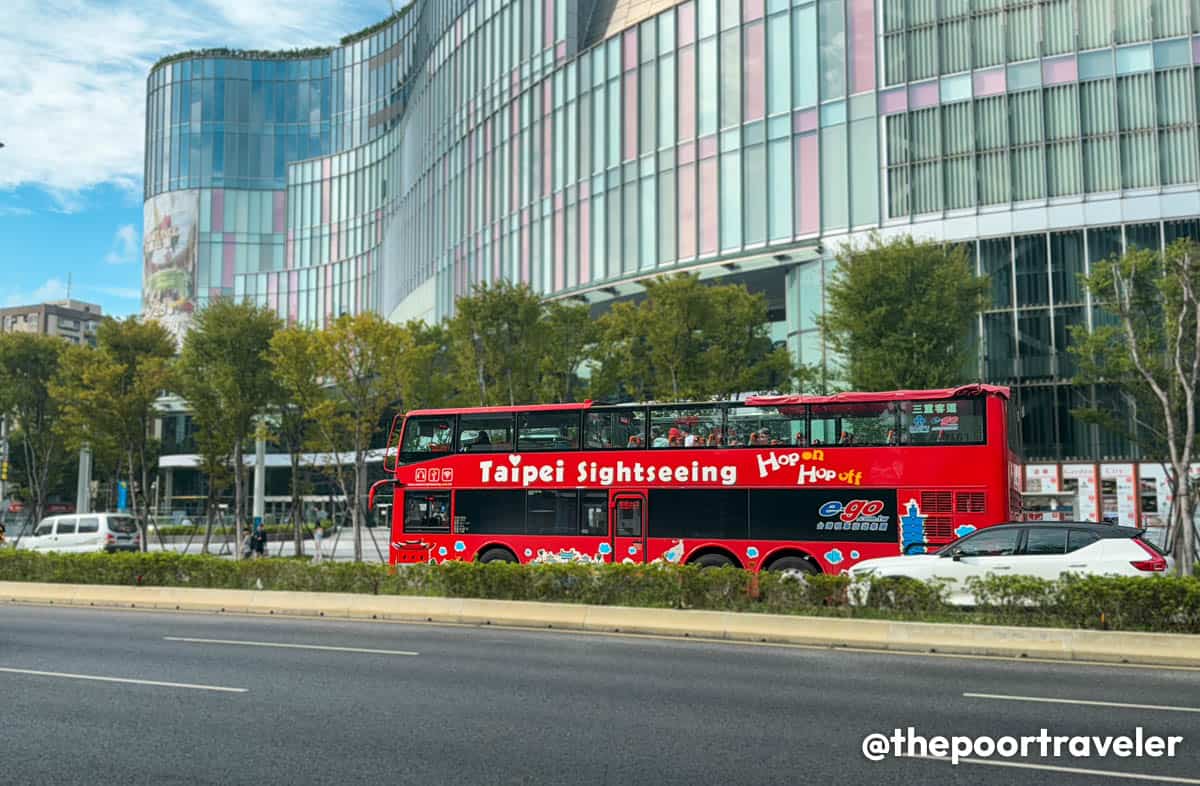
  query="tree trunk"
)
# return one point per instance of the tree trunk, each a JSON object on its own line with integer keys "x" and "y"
{"x": 237, "y": 498}
{"x": 210, "y": 505}
{"x": 1185, "y": 542}
{"x": 360, "y": 491}
{"x": 296, "y": 503}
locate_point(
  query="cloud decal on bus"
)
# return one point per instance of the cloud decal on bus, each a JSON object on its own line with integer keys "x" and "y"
{"x": 912, "y": 528}
{"x": 834, "y": 556}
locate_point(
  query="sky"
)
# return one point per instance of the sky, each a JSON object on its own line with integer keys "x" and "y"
{"x": 72, "y": 112}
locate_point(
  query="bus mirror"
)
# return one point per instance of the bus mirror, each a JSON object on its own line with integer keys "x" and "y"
{"x": 375, "y": 487}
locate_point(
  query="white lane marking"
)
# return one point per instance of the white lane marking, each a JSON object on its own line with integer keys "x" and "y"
{"x": 281, "y": 645}
{"x": 123, "y": 680}
{"x": 1138, "y": 776}
{"x": 1085, "y": 702}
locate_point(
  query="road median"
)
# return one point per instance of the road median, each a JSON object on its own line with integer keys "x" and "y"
{"x": 1008, "y": 641}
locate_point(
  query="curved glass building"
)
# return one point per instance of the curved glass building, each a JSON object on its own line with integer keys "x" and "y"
{"x": 580, "y": 145}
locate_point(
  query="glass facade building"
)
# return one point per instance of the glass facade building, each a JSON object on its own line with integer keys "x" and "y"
{"x": 579, "y": 145}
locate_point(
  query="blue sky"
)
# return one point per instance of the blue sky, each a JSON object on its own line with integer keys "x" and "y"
{"x": 72, "y": 108}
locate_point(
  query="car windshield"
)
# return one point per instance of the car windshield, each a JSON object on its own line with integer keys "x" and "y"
{"x": 121, "y": 524}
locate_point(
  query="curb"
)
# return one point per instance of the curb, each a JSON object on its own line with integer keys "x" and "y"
{"x": 1019, "y": 642}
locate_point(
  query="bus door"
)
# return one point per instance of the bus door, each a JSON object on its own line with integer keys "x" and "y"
{"x": 629, "y": 526}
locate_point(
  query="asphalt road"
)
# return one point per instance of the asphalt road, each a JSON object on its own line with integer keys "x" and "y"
{"x": 488, "y": 705}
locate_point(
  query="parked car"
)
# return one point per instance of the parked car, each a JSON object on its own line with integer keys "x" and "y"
{"x": 1045, "y": 550}
{"x": 89, "y": 532}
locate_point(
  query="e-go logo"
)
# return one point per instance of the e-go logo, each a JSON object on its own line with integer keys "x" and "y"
{"x": 851, "y": 511}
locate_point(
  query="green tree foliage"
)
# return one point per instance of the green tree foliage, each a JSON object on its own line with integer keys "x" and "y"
{"x": 359, "y": 360}
{"x": 296, "y": 366}
{"x": 688, "y": 340}
{"x": 225, "y": 376}
{"x": 28, "y": 365}
{"x": 426, "y": 365}
{"x": 568, "y": 335}
{"x": 496, "y": 338}
{"x": 900, "y": 312}
{"x": 106, "y": 396}
{"x": 1150, "y": 354}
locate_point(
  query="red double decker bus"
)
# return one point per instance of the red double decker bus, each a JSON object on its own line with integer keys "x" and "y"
{"x": 799, "y": 483}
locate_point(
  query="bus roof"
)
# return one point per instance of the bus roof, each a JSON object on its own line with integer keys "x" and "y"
{"x": 964, "y": 391}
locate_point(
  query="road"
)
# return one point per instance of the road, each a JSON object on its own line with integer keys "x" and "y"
{"x": 459, "y": 705}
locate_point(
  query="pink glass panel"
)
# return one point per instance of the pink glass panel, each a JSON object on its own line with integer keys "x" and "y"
{"x": 335, "y": 237}
{"x": 988, "y": 83}
{"x": 686, "y": 93}
{"x": 496, "y": 252}
{"x": 228, "y": 256}
{"x": 629, "y": 47}
{"x": 273, "y": 291}
{"x": 1196, "y": 49}
{"x": 326, "y": 168}
{"x": 707, "y": 193}
{"x": 631, "y": 115}
{"x": 560, "y": 251}
{"x": 1059, "y": 70}
{"x": 548, "y": 28}
{"x": 893, "y": 101}
{"x": 585, "y": 240}
{"x": 862, "y": 45}
{"x": 685, "y": 21}
{"x": 923, "y": 95}
{"x": 687, "y": 211}
{"x": 751, "y": 10}
{"x": 525, "y": 246}
{"x": 708, "y": 146}
{"x": 560, "y": 51}
{"x": 687, "y": 153}
{"x": 325, "y": 186}
{"x": 279, "y": 210}
{"x": 808, "y": 194}
{"x": 547, "y": 98}
{"x": 547, "y": 157}
{"x": 293, "y": 295}
{"x": 756, "y": 83}
{"x": 288, "y": 251}
{"x": 516, "y": 167}
{"x": 217, "y": 221}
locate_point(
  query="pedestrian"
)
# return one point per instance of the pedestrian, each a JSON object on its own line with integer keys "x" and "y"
{"x": 247, "y": 547}
{"x": 259, "y": 541}
{"x": 2, "y": 531}
{"x": 318, "y": 534}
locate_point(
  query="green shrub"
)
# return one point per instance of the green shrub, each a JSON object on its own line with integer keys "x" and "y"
{"x": 1167, "y": 604}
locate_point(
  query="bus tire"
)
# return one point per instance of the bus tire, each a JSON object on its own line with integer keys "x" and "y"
{"x": 795, "y": 567}
{"x": 713, "y": 561}
{"x": 497, "y": 555}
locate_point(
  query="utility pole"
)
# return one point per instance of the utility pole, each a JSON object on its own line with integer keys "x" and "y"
{"x": 260, "y": 472}
{"x": 83, "y": 489}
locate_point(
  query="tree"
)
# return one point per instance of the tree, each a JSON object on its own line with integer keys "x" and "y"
{"x": 568, "y": 333}
{"x": 1151, "y": 356}
{"x": 688, "y": 340}
{"x": 225, "y": 376}
{"x": 496, "y": 339}
{"x": 359, "y": 361}
{"x": 106, "y": 398}
{"x": 426, "y": 365}
{"x": 296, "y": 365}
{"x": 899, "y": 312}
{"x": 28, "y": 364}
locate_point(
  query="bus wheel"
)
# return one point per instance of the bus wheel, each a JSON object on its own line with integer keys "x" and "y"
{"x": 497, "y": 555}
{"x": 795, "y": 567}
{"x": 713, "y": 561}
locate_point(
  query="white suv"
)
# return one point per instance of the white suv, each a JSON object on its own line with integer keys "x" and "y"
{"x": 1045, "y": 550}
{"x": 82, "y": 533}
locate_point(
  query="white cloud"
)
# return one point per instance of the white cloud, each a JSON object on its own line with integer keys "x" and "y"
{"x": 124, "y": 246}
{"x": 53, "y": 289}
{"x": 73, "y": 76}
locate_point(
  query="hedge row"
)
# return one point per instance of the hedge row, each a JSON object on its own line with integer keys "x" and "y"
{"x": 1167, "y": 604}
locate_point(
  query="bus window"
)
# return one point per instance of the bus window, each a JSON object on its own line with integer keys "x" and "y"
{"x": 757, "y": 426}
{"x": 854, "y": 423}
{"x": 427, "y": 511}
{"x": 485, "y": 433}
{"x": 594, "y": 520}
{"x": 685, "y": 427}
{"x": 625, "y": 428}
{"x": 552, "y": 512}
{"x": 958, "y": 422}
{"x": 548, "y": 431}
{"x": 427, "y": 435}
